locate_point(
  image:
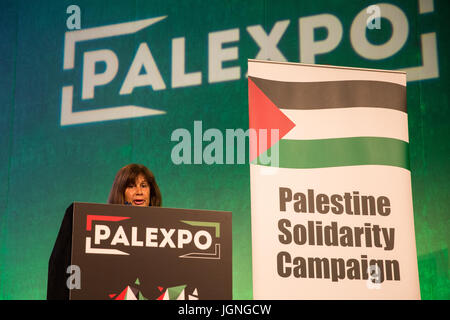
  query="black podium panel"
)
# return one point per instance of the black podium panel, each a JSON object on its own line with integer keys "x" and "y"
{"x": 144, "y": 253}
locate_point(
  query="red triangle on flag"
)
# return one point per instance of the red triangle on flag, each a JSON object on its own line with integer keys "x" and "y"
{"x": 264, "y": 114}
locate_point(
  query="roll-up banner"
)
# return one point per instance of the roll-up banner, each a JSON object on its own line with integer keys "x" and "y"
{"x": 331, "y": 201}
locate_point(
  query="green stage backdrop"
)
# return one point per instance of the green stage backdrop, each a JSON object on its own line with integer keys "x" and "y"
{"x": 192, "y": 65}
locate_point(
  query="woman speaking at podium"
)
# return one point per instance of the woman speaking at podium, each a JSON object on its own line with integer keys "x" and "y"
{"x": 135, "y": 185}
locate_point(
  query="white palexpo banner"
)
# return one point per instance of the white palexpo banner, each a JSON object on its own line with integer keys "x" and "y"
{"x": 331, "y": 201}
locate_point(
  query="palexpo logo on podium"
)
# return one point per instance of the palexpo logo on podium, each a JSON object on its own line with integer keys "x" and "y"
{"x": 112, "y": 235}
{"x": 223, "y": 55}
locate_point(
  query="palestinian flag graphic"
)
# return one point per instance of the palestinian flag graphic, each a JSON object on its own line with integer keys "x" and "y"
{"x": 331, "y": 199}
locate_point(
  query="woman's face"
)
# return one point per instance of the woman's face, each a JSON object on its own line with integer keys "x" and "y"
{"x": 138, "y": 193}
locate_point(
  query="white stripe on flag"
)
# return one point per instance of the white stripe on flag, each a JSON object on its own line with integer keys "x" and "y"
{"x": 346, "y": 123}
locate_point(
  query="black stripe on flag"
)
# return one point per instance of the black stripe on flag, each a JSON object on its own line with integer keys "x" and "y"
{"x": 333, "y": 94}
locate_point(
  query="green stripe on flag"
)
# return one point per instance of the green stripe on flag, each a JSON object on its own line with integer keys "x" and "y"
{"x": 339, "y": 152}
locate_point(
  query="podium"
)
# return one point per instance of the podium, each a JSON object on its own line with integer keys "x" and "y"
{"x": 125, "y": 252}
